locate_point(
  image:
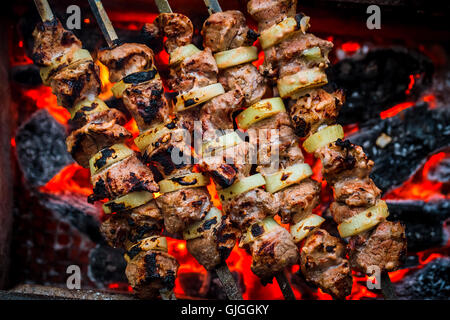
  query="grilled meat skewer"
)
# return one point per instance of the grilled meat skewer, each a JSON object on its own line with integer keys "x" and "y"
{"x": 98, "y": 135}
{"x": 296, "y": 60}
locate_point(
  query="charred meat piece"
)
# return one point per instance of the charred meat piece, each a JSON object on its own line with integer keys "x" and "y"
{"x": 199, "y": 70}
{"x": 227, "y": 30}
{"x": 122, "y": 178}
{"x": 316, "y": 108}
{"x": 82, "y": 118}
{"x": 214, "y": 246}
{"x": 147, "y": 103}
{"x": 217, "y": 114}
{"x": 123, "y": 229}
{"x": 126, "y": 59}
{"x": 229, "y": 165}
{"x": 277, "y": 143}
{"x": 52, "y": 41}
{"x": 251, "y": 207}
{"x": 183, "y": 207}
{"x": 176, "y": 27}
{"x": 150, "y": 271}
{"x": 298, "y": 200}
{"x": 342, "y": 159}
{"x": 384, "y": 247}
{"x": 83, "y": 143}
{"x": 356, "y": 192}
{"x": 323, "y": 263}
{"x": 75, "y": 83}
{"x": 272, "y": 252}
{"x": 270, "y": 12}
{"x": 248, "y": 79}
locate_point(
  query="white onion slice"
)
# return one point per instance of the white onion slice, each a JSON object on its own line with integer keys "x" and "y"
{"x": 290, "y": 85}
{"x": 197, "y": 96}
{"x": 127, "y": 202}
{"x": 181, "y": 53}
{"x": 151, "y": 243}
{"x": 301, "y": 229}
{"x": 191, "y": 180}
{"x": 67, "y": 59}
{"x": 90, "y": 106}
{"x": 235, "y": 57}
{"x": 288, "y": 176}
{"x": 364, "y": 221}
{"x": 323, "y": 137}
{"x": 243, "y": 185}
{"x": 153, "y": 135}
{"x": 108, "y": 156}
{"x": 211, "y": 220}
{"x": 260, "y": 111}
{"x": 258, "y": 229}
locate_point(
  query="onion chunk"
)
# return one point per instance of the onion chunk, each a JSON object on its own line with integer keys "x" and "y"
{"x": 197, "y": 96}
{"x": 259, "y": 111}
{"x": 291, "y": 85}
{"x": 182, "y": 53}
{"x": 235, "y": 57}
{"x": 211, "y": 220}
{"x": 276, "y": 33}
{"x": 151, "y": 243}
{"x": 301, "y": 229}
{"x": 241, "y": 186}
{"x": 288, "y": 176}
{"x": 323, "y": 137}
{"x": 127, "y": 202}
{"x": 191, "y": 180}
{"x": 364, "y": 221}
{"x": 108, "y": 156}
{"x": 256, "y": 230}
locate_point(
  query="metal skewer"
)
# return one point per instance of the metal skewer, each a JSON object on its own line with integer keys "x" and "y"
{"x": 104, "y": 23}
{"x": 223, "y": 272}
{"x": 44, "y": 10}
{"x": 387, "y": 287}
{"x": 213, "y": 7}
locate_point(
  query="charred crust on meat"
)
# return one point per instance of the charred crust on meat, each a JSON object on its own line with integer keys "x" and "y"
{"x": 115, "y": 207}
{"x": 344, "y": 144}
{"x": 189, "y": 102}
{"x": 301, "y": 127}
{"x": 134, "y": 251}
{"x": 285, "y": 176}
{"x": 100, "y": 191}
{"x": 139, "y": 77}
{"x": 330, "y": 249}
{"x": 209, "y": 223}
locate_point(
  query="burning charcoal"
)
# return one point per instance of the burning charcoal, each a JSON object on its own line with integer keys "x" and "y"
{"x": 430, "y": 283}
{"x": 416, "y": 133}
{"x": 378, "y": 80}
{"x": 41, "y": 148}
{"x": 107, "y": 265}
{"x": 75, "y": 210}
{"x": 441, "y": 173}
{"x": 423, "y": 220}
{"x": 26, "y": 75}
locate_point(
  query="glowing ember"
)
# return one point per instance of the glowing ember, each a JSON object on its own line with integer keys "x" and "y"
{"x": 71, "y": 179}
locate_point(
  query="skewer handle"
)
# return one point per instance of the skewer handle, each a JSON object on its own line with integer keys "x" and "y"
{"x": 163, "y": 6}
{"x": 387, "y": 287}
{"x": 285, "y": 287}
{"x": 228, "y": 282}
{"x": 44, "y": 10}
{"x": 104, "y": 23}
{"x": 213, "y": 6}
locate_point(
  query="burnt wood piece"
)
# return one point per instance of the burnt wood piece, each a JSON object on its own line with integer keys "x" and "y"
{"x": 429, "y": 283}
{"x": 378, "y": 80}
{"x": 41, "y": 148}
{"x": 416, "y": 133}
{"x": 424, "y": 221}
{"x": 5, "y": 160}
